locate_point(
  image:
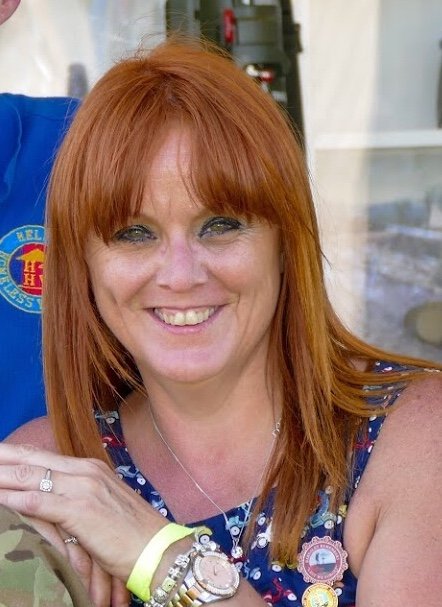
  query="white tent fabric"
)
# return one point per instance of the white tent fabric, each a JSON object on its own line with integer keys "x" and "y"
{"x": 44, "y": 37}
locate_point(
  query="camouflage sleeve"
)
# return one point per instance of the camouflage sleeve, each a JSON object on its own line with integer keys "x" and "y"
{"x": 32, "y": 572}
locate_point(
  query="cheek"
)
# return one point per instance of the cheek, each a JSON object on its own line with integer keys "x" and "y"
{"x": 101, "y": 283}
{"x": 108, "y": 290}
{"x": 265, "y": 269}
{"x": 267, "y": 274}
{"x": 115, "y": 279}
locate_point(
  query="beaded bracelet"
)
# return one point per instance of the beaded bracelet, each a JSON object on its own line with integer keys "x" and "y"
{"x": 161, "y": 594}
{"x": 140, "y": 579}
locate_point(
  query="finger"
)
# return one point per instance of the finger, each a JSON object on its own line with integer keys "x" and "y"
{"x": 50, "y": 532}
{"x": 28, "y": 454}
{"x": 32, "y": 503}
{"x": 26, "y": 477}
{"x": 68, "y": 495}
{"x": 81, "y": 563}
{"x": 100, "y": 588}
{"x": 77, "y": 557}
{"x": 120, "y": 594}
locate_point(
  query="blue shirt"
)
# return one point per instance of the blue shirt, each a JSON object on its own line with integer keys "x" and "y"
{"x": 31, "y": 130}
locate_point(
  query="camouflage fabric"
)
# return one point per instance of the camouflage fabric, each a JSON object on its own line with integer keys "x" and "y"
{"x": 32, "y": 572}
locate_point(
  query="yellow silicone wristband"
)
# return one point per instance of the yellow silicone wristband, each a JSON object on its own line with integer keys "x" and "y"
{"x": 140, "y": 579}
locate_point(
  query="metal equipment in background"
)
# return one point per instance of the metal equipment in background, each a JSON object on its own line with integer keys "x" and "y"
{"x": 439, "y": 95}
{"x": 260, "y": 35}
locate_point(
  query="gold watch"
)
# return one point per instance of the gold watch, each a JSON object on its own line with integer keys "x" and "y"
{"x": 211, "y": 577}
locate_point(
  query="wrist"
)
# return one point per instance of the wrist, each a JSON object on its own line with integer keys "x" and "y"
{"x": 171, "y": 572}
{"x": 182, "y": 546}
{"x": 140, "y": 581}
{"x": 210, "y": 576}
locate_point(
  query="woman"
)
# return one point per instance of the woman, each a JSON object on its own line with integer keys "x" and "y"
{"x": 187, "y": 328}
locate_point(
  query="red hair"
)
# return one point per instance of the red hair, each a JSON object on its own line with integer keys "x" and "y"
{"x": 245, "y": 160}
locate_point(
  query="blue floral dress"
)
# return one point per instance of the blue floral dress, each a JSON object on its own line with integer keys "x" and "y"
{"x": 278, "y": 585}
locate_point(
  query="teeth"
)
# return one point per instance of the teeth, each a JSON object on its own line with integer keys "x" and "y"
{"x": 189, "y": 317}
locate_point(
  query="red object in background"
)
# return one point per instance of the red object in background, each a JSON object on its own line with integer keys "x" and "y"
{"x": 229, "y": 26}
{"x": 266, "y": 75}
{"x": 260, "y": 73}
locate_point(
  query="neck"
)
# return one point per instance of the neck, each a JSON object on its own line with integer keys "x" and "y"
{"x": 216, "y": 412}
{"x": 226, "y": 425}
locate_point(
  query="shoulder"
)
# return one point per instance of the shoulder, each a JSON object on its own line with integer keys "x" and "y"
{"x": 409, "y": 446}
{"x": 37, "y": 432}
{"x": 413, "y": 427}
{"x": 395, "y": 512}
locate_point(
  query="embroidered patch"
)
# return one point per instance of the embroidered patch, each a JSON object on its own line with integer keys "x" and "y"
{"x": 22, "y": 253}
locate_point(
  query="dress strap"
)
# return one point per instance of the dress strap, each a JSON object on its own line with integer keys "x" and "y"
{"x": 370, "y": 431}
{"x": 109, "y": 427}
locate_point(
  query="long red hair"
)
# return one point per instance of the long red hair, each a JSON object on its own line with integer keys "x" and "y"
{"x": 245, "y": 160}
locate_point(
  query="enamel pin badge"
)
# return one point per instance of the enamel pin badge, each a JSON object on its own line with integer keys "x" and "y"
{"x": 322, "y": 562}
{"x": 320, "y": 595}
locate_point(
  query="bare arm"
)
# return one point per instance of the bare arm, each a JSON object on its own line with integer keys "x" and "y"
{"x": 37, "y": 432}
{"x": 402, "y": 563}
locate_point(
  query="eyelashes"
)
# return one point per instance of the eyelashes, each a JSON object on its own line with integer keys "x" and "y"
{"x": 217, "y": 226}
{"x": 212, "y": 228}
{"x": 136, "y": 233}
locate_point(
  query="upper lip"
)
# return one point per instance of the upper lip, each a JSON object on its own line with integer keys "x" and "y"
{"x": 168, "y": 309}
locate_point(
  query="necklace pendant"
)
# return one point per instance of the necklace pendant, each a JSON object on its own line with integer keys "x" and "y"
{"x": 236, "y": 552}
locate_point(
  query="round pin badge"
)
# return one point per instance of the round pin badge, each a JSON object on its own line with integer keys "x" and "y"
{"x": 322, "y": 560}
{"x": 320, "y": 595}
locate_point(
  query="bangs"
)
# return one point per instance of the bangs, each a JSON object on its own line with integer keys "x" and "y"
{"x": 225, "y": 172}
{"x": 243, "y": 157}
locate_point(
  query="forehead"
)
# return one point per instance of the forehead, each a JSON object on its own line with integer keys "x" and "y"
{"x": 172, "y": 156}
{"x": 168, "y": 180}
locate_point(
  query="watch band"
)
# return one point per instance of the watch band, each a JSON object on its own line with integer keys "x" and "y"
{"x": 197, "y": 588}
{"x": 189, "y": 596}
{"x": 161, "y": 595}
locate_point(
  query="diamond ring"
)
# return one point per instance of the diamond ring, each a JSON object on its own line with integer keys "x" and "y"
{"x": 71, "y": 540}
{"x": 46, "y": 484}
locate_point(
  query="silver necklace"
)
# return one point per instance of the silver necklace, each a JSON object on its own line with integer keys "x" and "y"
{"x": 236, "y": 550}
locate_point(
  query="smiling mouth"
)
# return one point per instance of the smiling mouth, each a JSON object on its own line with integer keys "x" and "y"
{"x": 184, "y": 317}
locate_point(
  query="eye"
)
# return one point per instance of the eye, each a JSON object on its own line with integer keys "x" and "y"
{"x": 135, "y": 234}
{"x": 216, "y": 226}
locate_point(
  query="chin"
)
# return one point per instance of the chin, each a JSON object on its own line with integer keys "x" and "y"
{"x": 190, "y": 374}
{"x": 187, "y": 369}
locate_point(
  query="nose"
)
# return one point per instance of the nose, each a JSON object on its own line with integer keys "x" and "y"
{"x": 181, "y": 266}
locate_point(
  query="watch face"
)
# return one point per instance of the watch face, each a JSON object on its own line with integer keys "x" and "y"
{"x": 216, "y": 574}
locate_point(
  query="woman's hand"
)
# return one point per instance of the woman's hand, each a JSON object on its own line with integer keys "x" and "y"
{"x": 112, "y": 523}
{"x": 103, "y": 589}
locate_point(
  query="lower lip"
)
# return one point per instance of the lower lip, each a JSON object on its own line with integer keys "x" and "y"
{"x": 186, "y": 329}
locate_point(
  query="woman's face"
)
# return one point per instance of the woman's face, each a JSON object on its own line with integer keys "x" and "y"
{"x": 190, "y": 295}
